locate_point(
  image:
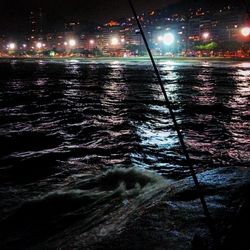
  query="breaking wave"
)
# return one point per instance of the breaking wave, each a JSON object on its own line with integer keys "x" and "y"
{"x": 83, "y": 205}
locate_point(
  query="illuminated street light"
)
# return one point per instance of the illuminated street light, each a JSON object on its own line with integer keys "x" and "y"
{"x": 24, "y": 45}
{"x": 168, "y": 39}
{"x": 114, "y": 41}
{"x": 65, "y": 43}
{"x": 205, "y": 35}
{"x": 72, "y": 42}
{"x": 39, "y": 45}
{"x": 160, "y": 38}
{"x": 12, "y": 46}
{"x": 91, "y": 42}
{"x": 245, "y": 31}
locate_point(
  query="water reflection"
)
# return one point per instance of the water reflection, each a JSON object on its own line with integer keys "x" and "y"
{"x": 204, "y": 90}
{"x": 240, "y": 115}
{"x": 170, "y": 76}
{"x": 244, "y": 65}
{"x": 63, "y": 122}
{"x": 41, "y": 81}
{"x": 73, "y": 68}
{"x": 96, "y": 116}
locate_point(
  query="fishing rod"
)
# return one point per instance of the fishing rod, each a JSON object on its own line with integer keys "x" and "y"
{"x": 210, "y": 222}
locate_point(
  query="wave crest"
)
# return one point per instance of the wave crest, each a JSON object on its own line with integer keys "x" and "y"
{"x": 86, "y": 202}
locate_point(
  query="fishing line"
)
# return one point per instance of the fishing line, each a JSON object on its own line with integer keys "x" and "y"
{"x": 210, "y": 222}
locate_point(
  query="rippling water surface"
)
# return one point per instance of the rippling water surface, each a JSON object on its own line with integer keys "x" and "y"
{"x": 62, "y": 122}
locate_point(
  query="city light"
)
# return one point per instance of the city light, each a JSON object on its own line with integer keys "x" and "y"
{"x": 176, "y": 37}
{"x": 52, "y": 53}
{"x": 205, "y": 35}
{"x": 245, "y": 31}
{"x": 39, "y": 45}
{"x": 160, "y": 38}
{"x": 114, "y": 41}
{"x": 72, "y": 42}
{"x": 12, "y": 46}
{"x": 168, "y": 39}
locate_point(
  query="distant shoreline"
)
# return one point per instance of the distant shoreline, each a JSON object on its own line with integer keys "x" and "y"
{"x": 143, "y": 58}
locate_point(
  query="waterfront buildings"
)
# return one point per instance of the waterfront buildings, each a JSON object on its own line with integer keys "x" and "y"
{"x": 121, "y": 37}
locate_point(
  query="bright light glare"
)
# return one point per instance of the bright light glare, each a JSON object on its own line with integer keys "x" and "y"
{"x": 91, "y": 42}
{"x": 24, "y": 45}
{"x": 245, "y": 31}
{"x": 12, "y": 46}
{"x": 39, "y": 45}
{"x": 168, "y": 39}
{"x": 114, "y": 41}
{"x": 65, "y": 43}
{"x": 205, "y": 35}
{"x": 160, "y": 38}
{"x": 72, "y": 42}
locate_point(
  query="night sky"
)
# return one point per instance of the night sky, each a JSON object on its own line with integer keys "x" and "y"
{"x": 14, "y": 13}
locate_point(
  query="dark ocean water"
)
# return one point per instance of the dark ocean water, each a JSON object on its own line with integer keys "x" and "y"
{"x": 63, "y": 125}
